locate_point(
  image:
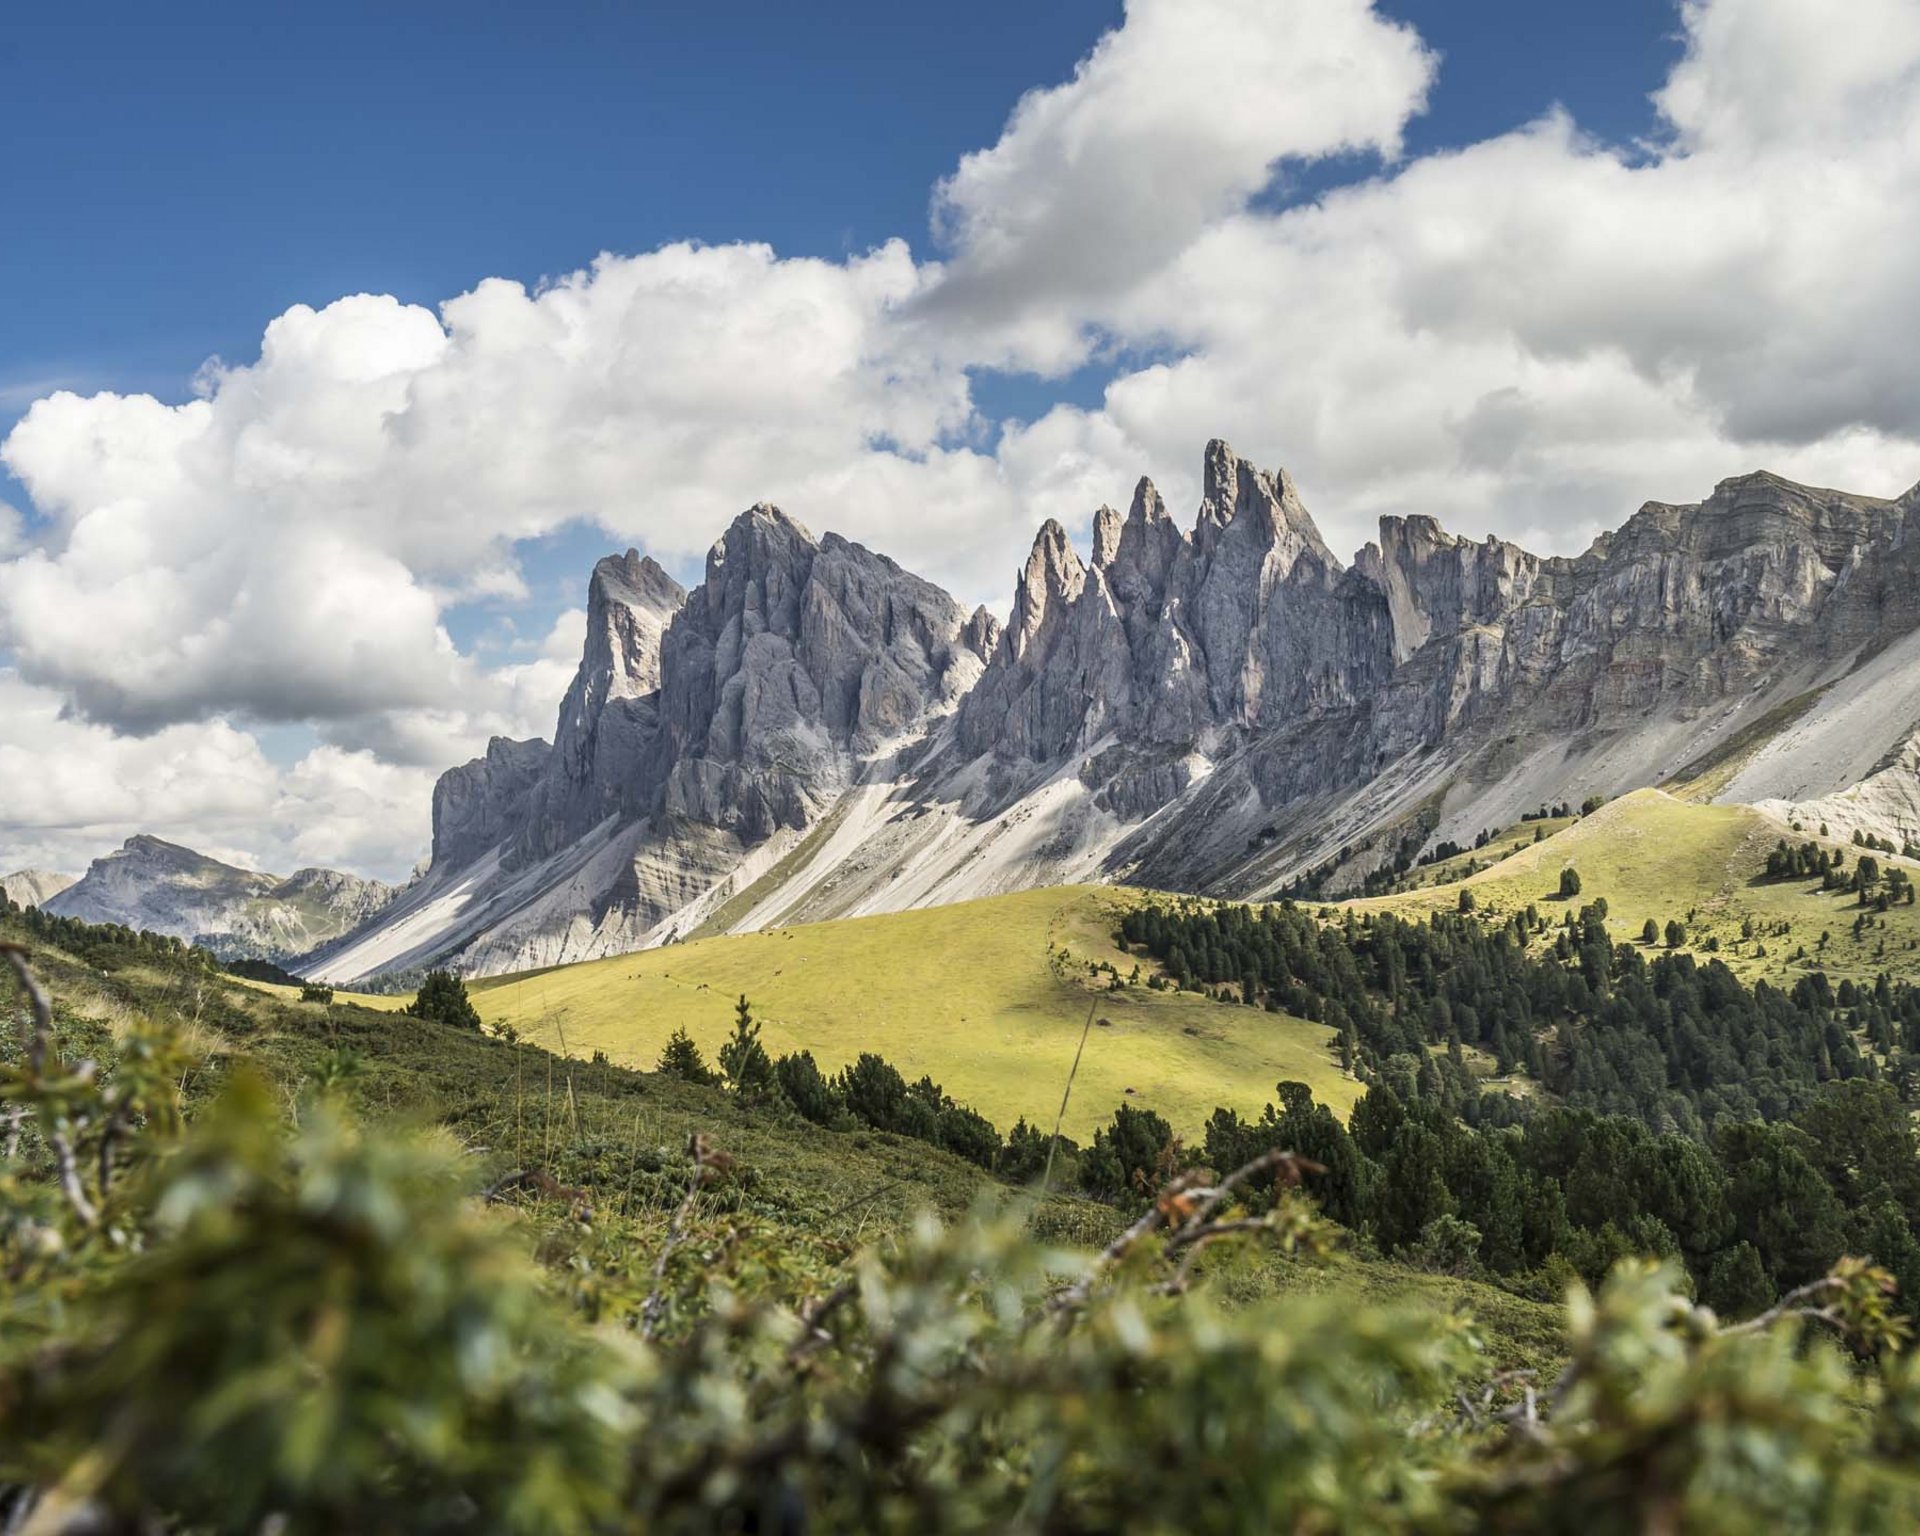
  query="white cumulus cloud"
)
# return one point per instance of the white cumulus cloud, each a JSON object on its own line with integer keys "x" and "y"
{"x": 71, "y": 790}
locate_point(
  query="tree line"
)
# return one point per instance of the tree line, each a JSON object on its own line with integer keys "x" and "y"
{"x": 1674, "y": 1042}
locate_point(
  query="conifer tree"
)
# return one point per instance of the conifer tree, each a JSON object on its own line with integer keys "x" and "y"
{"x": 681, "y": 1058}
{"x": 744, "y": 1060}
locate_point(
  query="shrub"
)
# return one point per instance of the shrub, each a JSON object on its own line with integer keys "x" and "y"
{"x": 443, "y": 998}
{"x": 681, "y": 1058}
{"x": 806, "y": 1088}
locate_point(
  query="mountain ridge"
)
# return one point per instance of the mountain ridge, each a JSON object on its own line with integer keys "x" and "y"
{"x": 814, "y": 731}
{"x": 149, "y": 883}
{"x": 1218, "y": 710}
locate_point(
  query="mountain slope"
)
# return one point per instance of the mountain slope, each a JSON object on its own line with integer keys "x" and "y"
{"x": 165, "y": 888}
{"x": 1221, "y": 710}
{"x": 34, "y": 887}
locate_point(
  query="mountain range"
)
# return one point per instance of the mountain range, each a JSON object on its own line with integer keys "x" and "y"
{"x": 1223, "y": 708}
{"x": 813, "y": 731}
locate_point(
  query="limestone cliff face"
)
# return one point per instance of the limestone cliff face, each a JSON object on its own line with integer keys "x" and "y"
{"x": 34, "y": 887}
{"x": 1172, "y": 653}
{"x": 1169, "y": 643}
{"x": 478, "y": 804}
{"x": 1214, "y": 707}
{"x": 610, "y": 717}
{"x": 742, "y": 706}
{"x": 792, "y": 662}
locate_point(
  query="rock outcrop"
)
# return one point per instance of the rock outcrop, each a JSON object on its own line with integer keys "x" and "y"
{"x": 237, "y": 913}
{"x": 485, "y": 802}
{"x": 815, "y": 732}
{"x": 609, "y": 718}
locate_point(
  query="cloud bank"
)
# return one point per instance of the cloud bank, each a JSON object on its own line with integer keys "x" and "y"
{"x": 1528, "y": 336}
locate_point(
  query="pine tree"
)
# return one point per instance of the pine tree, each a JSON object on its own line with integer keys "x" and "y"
{"x": 1569, "y": 884}
{"x": 744, "y": 1060}
{"x": 682, "y": 1059}
{"x": 806, "y": 1088}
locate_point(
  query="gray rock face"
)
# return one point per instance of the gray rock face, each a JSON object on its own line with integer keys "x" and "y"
{"x": 1210, "y": 709}
{"x": 34, "y": 887}
{"x": 481, "y": 803}
{"x": 743, "y": 706}
{"x": 1245, "y": 653}
{"x": 1168, "y": 640}
{"x": 608, "y": 719}
{"x": 165, "y": 888}
{"x": 793, "y": 660}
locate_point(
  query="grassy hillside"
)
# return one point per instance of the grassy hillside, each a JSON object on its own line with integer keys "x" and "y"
{"x": 620, "y": 1134}
{"x": 1653, "y": 856}
{"x": 989, "y": 997}
{"x": 1505, "y": 841}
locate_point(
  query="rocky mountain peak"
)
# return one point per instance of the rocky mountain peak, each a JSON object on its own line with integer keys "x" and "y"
{"x": 1147, "y": 507}
{"x": 981, "y": 633}
{"x": 1107, "y": 524}
{"x": 150, "y": 883}
{"x": 478, "y": 804}
{"x": 547, "y": 798}
{"x": 760, "y": 534}
{"x": 739, "y": 708}
{"x": 1234, "y": 490}
{"x": 1050, "y": 581}
{"x": 634, "y": 578}
{"x": 630, "y": 599}
{"x": 145, "y": 845}
{"x": 1136, "y": 555}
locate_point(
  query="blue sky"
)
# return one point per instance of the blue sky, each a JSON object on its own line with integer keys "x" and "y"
{"x": 1520, "y": 266}
{"x": 179, "y": 175}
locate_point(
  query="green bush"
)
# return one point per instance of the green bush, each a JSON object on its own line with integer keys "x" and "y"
{"x": 443, "y": 998}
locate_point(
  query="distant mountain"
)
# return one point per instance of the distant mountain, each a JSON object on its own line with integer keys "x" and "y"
{"x": 34, "y": 887}
{"x": 237, "y": 913}
{"x": 814, "y": 732}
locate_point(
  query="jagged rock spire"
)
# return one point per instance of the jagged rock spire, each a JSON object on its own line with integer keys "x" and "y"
{"x": 1049, "y": 583}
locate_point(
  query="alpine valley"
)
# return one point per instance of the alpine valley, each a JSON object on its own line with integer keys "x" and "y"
{"x": 813, "y": 732}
